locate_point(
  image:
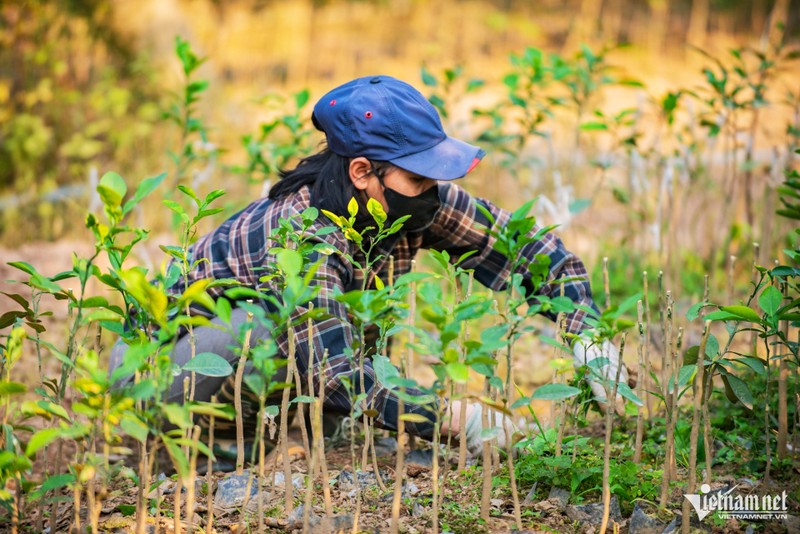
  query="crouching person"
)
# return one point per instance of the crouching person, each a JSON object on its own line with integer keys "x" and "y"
{"x": 385, "y": 143}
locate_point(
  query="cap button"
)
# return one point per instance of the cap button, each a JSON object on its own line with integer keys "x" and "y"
{"x": 376, "y": 79}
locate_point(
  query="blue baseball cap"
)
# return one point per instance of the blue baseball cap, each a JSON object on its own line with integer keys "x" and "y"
{"x": 384, "y": 119}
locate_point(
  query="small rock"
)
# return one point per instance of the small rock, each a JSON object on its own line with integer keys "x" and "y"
{"x": 497, "y": 503}
{"x": 296, "y": 518}
{"x": 165, "y": 486}
{"x": 747, "y": 482}
{"x": 592, "y": 514}
{"x": 336, "y": 523}
{"x": 419, "y": 457}
{"x": 673, "y": 526}
{"x": 409, "y": 490}
{"x": 385, "y": 446}
{"x": 345, "y": 479}
{"x": 529, "y": 498}
{"x": 231, "y": 490}
{"x": 641, "y": 523}
{"x": 548, "y": 506}
{"x": 298, "y": 480}
{"x": 417, "y": 509}
{"x": 560, "y": 496}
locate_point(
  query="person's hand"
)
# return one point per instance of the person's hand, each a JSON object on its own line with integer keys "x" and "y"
{"x": 584, "y": 351}
{"x": 472, "y": 428}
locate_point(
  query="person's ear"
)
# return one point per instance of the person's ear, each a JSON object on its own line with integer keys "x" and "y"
{"x": 360, "y": 172}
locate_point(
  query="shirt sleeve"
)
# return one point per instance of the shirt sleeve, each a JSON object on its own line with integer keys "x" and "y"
{"x": 459, "y": 228}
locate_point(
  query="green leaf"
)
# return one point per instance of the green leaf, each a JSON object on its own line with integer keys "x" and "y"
{"x": 11, "y": 388}
{"x": 126, "y": 510}
{"x": 770, "y": 300}
{"x": 590, "y": 126}
{"x": 736, "y": 389}
{"x": 414, "y": 418}
{"x": 23, "y": 266}
{"x": 694, "y": 311}
{"x": 458, "y": 372}
{"x": 177, "y": 414}
{"x": 686, "y": 374}
{"x": 112, "y": 189}
{"x": 42, "y": 438}
{"x": 625, "y": 390}
{"x": 427, "y": 78}
{"x": 385, "y": 371}
{"x": 57, "y": 481}
{"x": 290, "y": 261}
{"x": 376, "y": 210}
{"x": 179, "y": 459}
{"x": 352, "y": 207}
{"x": 520, "y": 402}
{"x": 753, "y": 363}
{"x": 555, "y": 392}
{"x": 208, "y": 364}
{"x": 145, "y": 188}
{"x": 745, "y": 312}
{"x": 223, "y": 310}
{"x": 134, "y": 427}
{"x": 219, "y": 410}
{"x": 578, "y": 205}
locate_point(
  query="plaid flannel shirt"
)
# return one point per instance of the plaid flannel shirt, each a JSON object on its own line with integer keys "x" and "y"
{"x": 239, "y": 249}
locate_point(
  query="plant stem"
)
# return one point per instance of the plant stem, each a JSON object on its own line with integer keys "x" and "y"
{"x": 301, "y": 414}
{"x": 647, "y": 367}
{"x": 284, "y": 425}
{"x": 696, "y": 411}
{"x": 509, "y": 445}
{"x": 435, "y": 473}
{"x": 606, "y": 285}
{"x": 767, "y": 438}
{"x": 237, "y": 398}
{"x": 783, "y": 408}
{"x": 190, "y": 481}
{"x": 607, "y": 445}
{"x": 398, "y": 469}
{"x": 76, "y": 500}
{"x": 323, "y": 462}
{"x": 402, "y": 437}
{"x": 261, "y": 455}
{"x": 677, "y": 363}
{"x": 637, "y": 450}
{"x": 209, "y": 474}
{"x": 707, "y": 442}
{"x": 486, "y": 488}
{"x": 462, "y": 445}
{"x": 141, "y": 495}
{"x": 667, "y": 374}
{"x": 176, "y": 504}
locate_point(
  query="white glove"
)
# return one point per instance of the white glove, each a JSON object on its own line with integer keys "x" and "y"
{"x": 474, "y": 427}
{"x": 584, "y": 351}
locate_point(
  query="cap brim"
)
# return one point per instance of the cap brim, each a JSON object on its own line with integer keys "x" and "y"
{"x": 449, "y": 160}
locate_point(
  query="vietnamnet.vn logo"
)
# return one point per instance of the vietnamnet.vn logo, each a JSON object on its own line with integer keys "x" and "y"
{"x": 738, "y": 506}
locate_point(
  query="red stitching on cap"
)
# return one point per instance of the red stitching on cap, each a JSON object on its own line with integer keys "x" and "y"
{"x": 368, "y": 114}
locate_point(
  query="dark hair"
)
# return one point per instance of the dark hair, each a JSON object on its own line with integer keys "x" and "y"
{"x": 328, "y": 176}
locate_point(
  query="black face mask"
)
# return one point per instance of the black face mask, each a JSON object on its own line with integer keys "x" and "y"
{"x": 422, "y": 208}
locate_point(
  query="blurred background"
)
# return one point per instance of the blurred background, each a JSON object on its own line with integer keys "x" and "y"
{"x": 654, "y": 132}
